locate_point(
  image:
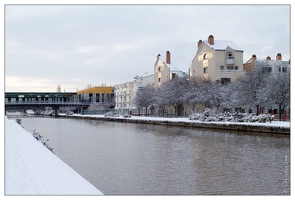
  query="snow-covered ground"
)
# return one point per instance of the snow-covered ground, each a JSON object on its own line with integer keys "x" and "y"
{"x": 273, "y": 123}
{"x": 31, "y": 169}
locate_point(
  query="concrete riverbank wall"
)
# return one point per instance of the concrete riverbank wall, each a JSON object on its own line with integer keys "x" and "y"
{"x": 243, "y": 127}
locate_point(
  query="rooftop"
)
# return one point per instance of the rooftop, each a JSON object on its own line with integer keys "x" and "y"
{"x": 177, "y": 63}
{"x": 223, "y": 44}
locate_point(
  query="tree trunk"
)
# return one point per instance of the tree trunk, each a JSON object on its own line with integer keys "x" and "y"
{"x": 257, "y": 110}
{"x": 280, "y": 107}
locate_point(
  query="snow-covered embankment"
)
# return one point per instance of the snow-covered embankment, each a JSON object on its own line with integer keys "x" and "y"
{"x": 31, "y": 169}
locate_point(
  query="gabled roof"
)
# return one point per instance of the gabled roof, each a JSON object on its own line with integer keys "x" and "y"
{"x": 177, "y": 63}
{"x": 179, "y": 73}
{"x": 223, "y": 44}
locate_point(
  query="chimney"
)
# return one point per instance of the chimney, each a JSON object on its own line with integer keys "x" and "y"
{"x": 199, "y": 43}
{"x": 168, "y": 57}
{"x": 253, "y": 57}
{"x": 279, "y": 56}
{"x": 211, "y": 40}
{"x": 268, "y": 58}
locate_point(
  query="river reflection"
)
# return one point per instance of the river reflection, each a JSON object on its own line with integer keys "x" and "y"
{"x": 141, "y": 159}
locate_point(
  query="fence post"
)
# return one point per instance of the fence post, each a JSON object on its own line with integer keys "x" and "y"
{"x": 285, "y": 115}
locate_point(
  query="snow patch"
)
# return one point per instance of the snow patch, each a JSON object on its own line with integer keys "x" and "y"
{"x": 31, "y": 169}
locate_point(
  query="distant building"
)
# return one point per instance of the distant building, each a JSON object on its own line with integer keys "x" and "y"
{"x": 125, "y": 92}
{"x": 166, "y": 68}
{"x": 97, "y": 95}
{"x": 274, "y": 67}
{"x": 269, "y": 65}
{"x": 58, "y": 89}
{"x": 217, "y": 60}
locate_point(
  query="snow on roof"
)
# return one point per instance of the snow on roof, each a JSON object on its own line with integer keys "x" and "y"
{"x": 177, "y": 63}
{"x": 223, "y": 44}
{"x": 263, "y": 60}
{"x": 179, "y": 73}
{"x": 134, "y": 79}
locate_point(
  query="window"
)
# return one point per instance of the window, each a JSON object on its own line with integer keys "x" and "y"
{"x": 229, "y": 55}
{"x": 159, "y": 69}
{"x": 266, "y": 69}
{"x": 205, "y": 70}
{"x": 97, "y": 97}
{"x": 230, "y": 67}
{"x": 225, "y": 80}
{"x": 205, "y": 57}
{"x": 173, "y": 75}
{"x": 159, "y": 80}
{"x": 236, "y": 67}
{"x": 221, "y": 67}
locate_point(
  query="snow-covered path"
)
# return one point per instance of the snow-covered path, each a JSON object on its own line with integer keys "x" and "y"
{"x": 272, "y": 124}
{"x": 31, "y": 169}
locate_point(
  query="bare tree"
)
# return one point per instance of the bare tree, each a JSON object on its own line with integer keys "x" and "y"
{"x": 194, "y": 93}
{"x": 173, "y": 93}
{"x": 145, "y": 97}
{"x": 249, "y": 87}
{"x": 277, "y": 90}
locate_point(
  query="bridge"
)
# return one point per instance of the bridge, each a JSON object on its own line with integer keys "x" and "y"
{"x": 35, "y": 100}
{"x": 42, "y": 104}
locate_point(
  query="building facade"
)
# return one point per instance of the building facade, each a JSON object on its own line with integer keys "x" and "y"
{"x": 125, "y": 92}
{"x": 96, "y": 95}
{"x": 166, "y": 68}
{"x": 218, "y": 61}
{"x": 269, "y": 65}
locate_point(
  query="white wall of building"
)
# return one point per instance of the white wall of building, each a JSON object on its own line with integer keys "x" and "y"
{"x": 125, "y": 92}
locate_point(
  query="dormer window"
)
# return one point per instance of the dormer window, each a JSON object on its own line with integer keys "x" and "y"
{"x": 205, "y": 57}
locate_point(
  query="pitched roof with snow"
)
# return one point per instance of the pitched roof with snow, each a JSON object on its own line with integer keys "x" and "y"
{"x": 223, "y": 44}
{"x": 177, "y": 63}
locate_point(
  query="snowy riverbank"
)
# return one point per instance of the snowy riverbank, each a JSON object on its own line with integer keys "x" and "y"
{"x": 31, "y": 169}
{"x": 273, "y": 127}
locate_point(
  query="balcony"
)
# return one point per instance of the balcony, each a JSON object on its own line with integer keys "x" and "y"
{"x": 230, "y": 60}
{"x": 220, "y": 72}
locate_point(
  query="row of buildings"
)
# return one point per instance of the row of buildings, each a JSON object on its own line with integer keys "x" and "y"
{"x": 218, "y": 60}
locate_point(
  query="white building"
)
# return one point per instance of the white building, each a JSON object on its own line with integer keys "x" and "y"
{"x": 167, "y": 67}
{"x": 268, "y": 64}
{"x": 125, "y": 92}
{"x": 217, "y": 60}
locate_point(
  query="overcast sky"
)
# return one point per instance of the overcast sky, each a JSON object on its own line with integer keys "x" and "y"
{"x": 77, "y": 45}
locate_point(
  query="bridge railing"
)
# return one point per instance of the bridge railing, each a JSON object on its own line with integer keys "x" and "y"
{"x": 48, "y": 102}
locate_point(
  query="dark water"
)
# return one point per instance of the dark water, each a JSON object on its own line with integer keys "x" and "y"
{"x": 140, "y": 159}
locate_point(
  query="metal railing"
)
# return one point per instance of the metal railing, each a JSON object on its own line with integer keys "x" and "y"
{"x": 48, "y": 102}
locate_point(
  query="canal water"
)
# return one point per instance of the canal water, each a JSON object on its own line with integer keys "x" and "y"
{"x": 141, "y": 159}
